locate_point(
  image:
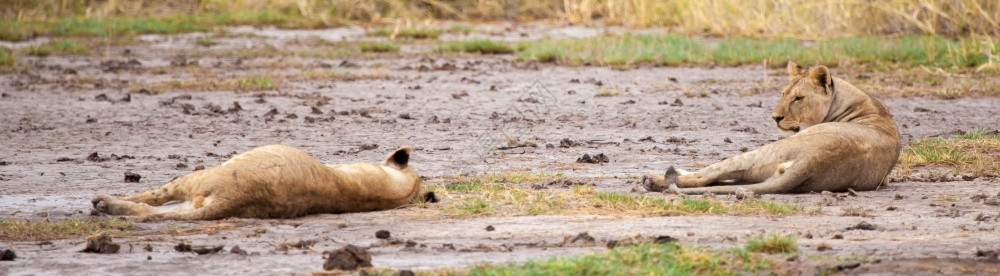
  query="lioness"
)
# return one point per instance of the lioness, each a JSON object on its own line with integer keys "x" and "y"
{"x": 843, "y": 139}
{"x": 275, "y": 181}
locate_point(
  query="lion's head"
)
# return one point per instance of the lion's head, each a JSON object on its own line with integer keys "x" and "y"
{"x": 805, "y": 101}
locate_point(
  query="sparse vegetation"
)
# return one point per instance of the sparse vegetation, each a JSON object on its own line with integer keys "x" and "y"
{"x": 479, "y": 46}
{"x": 351, "y": 75}
{"x": 27, "y": 230}
{"x": 973, "y": 151}
{"x": 503, "y": 194}
{"x": 755, "y": 18}
{"x": 7, "y": 60}
{"x": 59, "y": 47}
{"x": 378, "y": 47}
{"x": 641, "y": 259}
{"x": 406, "y": 32}
{"x": 608, "y": 92}
{"x": 772, "y": 244}
{"x": 253, "y": 83}
{"x": 628, "y": 50}
{"x": 205, "y": 41}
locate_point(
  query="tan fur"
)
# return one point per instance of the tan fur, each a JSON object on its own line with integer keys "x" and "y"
{"x": 275, "y": 181}
{"x": 843, "y": 139}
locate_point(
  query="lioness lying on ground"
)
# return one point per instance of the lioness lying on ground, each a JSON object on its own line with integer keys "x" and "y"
{"x": 843, "y": 139}
{"x": 275, "y": 181}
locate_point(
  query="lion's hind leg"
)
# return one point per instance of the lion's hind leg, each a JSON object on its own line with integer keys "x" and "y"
{"x": 783, "y": 178}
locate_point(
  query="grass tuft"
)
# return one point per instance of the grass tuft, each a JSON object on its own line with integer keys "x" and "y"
{"x": 205, "y": 41}
{"x": 26, "y": 230}
{"x": 478, "y": 46}
{"x": 378, "y": 47}
{"x": 772, "y": 244}
{"x": 976, "y": 152}
{"x": 7, "y": 59}
{"x": 406, "y": 33}
{"x": 256, "y": 83}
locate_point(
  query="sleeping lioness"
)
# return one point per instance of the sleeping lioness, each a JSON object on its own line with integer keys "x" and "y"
{"x": 843, "y": 139}
{"x": 275, "y": 181}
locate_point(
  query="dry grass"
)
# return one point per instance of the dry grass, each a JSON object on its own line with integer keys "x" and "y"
{"x": 252, "y": 83}
{"x": 503, "y": 194}
{"x": 976, "y": 152}
{"x": 26, "y": 230}
{"x": 748, "y": 18}
{"x": 343, "y": 75}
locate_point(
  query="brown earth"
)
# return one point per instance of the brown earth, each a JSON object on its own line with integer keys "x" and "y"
{"x": 462, "y": 114}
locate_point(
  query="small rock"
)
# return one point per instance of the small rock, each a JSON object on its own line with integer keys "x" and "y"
{"x": 237, "y": 250}
{"x": 131, "y": 177}
{"x": 382, "y": 234}
{"x": 743, "y": 193}
{"x": 199, "y": 167}
{"x": 7, "y": 255}
{"x": 823, "y": 247}
{"x": 583, "y": 237}
{"x": 596, "y": 159}
{"x": 490, "y": 228}
{"x": 349, "y": 257}
{"x": 837, "y": 237}
{"x": 101, "y": 243}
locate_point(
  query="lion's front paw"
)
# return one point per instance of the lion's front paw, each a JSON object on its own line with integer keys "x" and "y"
{"x": 654, "y": 182}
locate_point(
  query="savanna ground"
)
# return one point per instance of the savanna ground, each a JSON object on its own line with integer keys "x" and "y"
{"x": 499, "y": 102}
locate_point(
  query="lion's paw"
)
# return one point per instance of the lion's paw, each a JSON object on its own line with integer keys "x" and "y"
{"x": 653, "y": 182}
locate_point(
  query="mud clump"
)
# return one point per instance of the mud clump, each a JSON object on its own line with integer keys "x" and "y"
{"x": 382, "y": 234}
{"x": 988, "y": 254}
{"x": 131, "y": 177}
{"x": 596, "y": 159}
{"x": 490, "y": 228}
{"x": 349, "y": 257}
{"x": 200, "y": 250}
{"x": 7, "y": 255}
{"x": 864, "y": 225}
{"x": 581, "y": 239}
{"x": 302, "y": 244}
{"x": 664, "y": 239}
{"x": 101, "y": 243}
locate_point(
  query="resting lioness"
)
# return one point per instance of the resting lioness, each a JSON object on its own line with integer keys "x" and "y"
{"x": 275, "y": 181}
{"x": 843, "y": 139}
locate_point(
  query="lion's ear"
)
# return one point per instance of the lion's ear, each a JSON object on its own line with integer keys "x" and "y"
{"x": 398, "y": 158}
{"x": 794, "y": 70}
{"x": 821, "y": 76}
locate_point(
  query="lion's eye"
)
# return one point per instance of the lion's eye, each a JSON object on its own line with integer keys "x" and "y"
{"x": 797, "y": 98}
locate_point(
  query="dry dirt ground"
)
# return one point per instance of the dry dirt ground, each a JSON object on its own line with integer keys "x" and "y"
{"x": 461, "y": 114}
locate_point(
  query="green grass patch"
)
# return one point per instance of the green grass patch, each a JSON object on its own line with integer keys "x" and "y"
{"x": 378, "y": 47}
{"x": 205, "y": 41}
{"x": 7, "y": 59}
{"x": 26, "y": 230}
{"x": 641, "y": 259}
{"x": 256, "y": 83}
{"x": 478, "y": 46}
{"x": 173, "y": 24}
{"x": 406, "y": 32}
{"x": 976, "y": 152}
{"x": 772, "y": 244}
{"x": 627, "y": 50}
{"x": 507, "y": 194}
{"x": 59, "y": 47}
